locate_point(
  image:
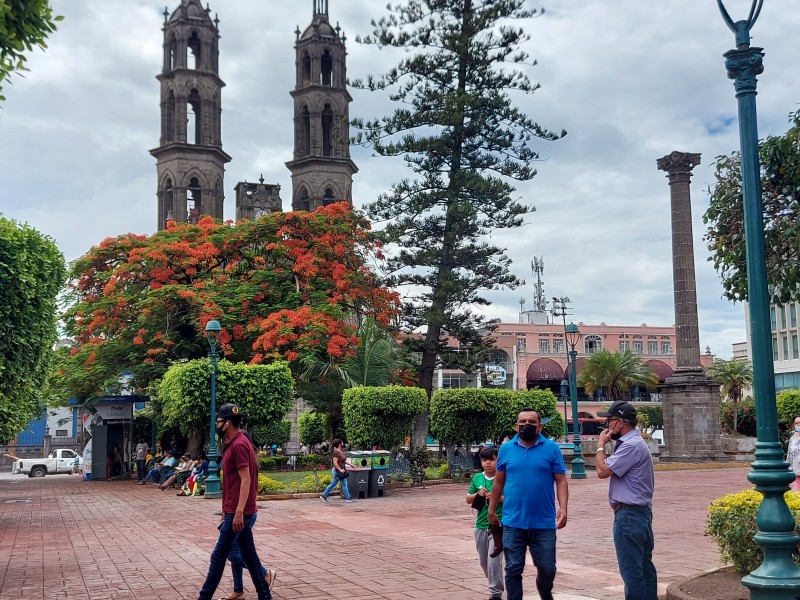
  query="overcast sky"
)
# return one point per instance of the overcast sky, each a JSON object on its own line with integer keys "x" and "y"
{"x": 630, "y": 81}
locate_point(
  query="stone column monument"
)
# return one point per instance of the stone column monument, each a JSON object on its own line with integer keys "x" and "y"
{"x": 690, "y": 401}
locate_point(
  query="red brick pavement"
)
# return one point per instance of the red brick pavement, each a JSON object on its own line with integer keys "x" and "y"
{"x": 99, "y": 540}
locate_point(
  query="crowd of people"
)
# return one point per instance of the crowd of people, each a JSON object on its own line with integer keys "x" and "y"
{"x": 166, "y": 471}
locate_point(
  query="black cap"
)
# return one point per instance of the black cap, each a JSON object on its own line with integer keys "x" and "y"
{"x": 226, "y": 411}
{"x": 620, "y": 408}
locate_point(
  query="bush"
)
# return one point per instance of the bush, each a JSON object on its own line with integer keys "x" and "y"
{"x": 732, "y": 524}
{"x": 381, "y": 416}
{"x": 788, "y": 404}
{"x": 746, "y": 419}
{"x": 311, "y": 428}
{"x": 439, "y": 472}
{"x": 267, "y": 485}
{"x": 543, "y": 401}
{"x": 276, "y": 432}
{"x": 650, "y": 418}
{"x": 311, "y": 460}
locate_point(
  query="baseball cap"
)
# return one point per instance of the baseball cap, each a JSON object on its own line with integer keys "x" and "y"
{"x": 171, "y": 452}
{"x": 226, "y": 411}
{"x": 621, "y": 409}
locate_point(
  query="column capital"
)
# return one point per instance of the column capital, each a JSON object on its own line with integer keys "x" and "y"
{"x": 743, "y": 67}
{"x": 677, "y": 163}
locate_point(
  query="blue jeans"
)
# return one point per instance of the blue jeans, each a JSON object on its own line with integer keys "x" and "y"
{"x": 542, "y": 546}
{"x": 141, "y": 470}
{"x": 634, "y": 542}
{"x": 237, "y": 563}
{"x": 329, "y": 489}
{"x": 226, "y": 541}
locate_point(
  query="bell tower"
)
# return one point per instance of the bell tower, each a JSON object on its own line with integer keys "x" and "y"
{"x": 322, "y": 171}
{"x": 189, "y": 159}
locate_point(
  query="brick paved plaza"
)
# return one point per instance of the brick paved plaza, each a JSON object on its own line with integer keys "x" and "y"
{"x": 65, "y": 538}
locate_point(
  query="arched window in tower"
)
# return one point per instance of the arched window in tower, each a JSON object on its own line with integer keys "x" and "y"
{"x": 193, "y": 118}
{"x": 173, "y": 54}
{"x": 193, "y": 197}
{"x": 305, "y": 69}
{"x": 305, "y": 132}
{"x": 303, "y": 201}
{"x": 167, "y": 199}
{"x": 329, "y": 197}
{"x": 327, "y": 69}
{"x": 194, "y": 47}
{"x": 169, "y": 121}
{"x": 592, "y": 344}
{"x": 218, "y": 198}
{"x": 327, "y": 131}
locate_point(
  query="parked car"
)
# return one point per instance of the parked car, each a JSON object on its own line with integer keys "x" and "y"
{"x": 59, "y": 461}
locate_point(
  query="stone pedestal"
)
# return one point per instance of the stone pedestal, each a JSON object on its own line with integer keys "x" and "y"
{"x": 691, "y": 406}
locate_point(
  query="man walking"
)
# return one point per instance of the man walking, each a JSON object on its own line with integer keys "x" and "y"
{"x": 630, "y": 493}
{"x": 528, "y": 466}
{"x": 239, "y": 510}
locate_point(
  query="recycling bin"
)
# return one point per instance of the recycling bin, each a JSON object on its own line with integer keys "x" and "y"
{"x": 379, "y": 475}
{"x": 358, "y": 482}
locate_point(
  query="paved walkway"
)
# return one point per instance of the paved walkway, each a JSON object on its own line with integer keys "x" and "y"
{"x": 64, "y": 538}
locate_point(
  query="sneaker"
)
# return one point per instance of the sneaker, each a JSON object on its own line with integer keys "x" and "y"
{"x": 142, "y": 482}
{"x": 349, "y": 500}
{"x": 324, "y": 499}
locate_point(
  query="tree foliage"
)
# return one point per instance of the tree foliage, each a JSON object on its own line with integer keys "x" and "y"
{"x": 733, "y": 376}
{"x": 788, "y": 404}
{"x": 470, "y": 415}
{"x": 311, "y": 428}
{"x": 276, "y": 432}
{"x": 381, "y": 416}
{"x": 24, "y": 25}
{"x": 32, "y": 272}
{"x": 263, "y": 392}
{"x": 288, "y": 284}
{"x": 617, "y": 373}
{"x": 780, "y": 195}
{"x": 466, "y": 143}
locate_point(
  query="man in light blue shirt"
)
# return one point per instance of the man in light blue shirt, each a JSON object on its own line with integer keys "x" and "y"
{"x": 630, "y": 493}
{"x": 528, "y": 466}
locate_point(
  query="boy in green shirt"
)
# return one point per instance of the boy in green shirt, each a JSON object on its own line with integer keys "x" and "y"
{"x": 480, "y": 487}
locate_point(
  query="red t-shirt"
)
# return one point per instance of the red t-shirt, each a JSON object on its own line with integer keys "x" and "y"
{"x": 237, "y": 453}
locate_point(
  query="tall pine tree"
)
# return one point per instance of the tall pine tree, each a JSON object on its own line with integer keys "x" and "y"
{"x": 466, "y": 142}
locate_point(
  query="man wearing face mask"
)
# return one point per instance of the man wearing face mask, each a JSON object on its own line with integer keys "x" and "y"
{"x": 239, "y": 488}
{"x": 630, "y": 493}
{"x": 528, "y": 466}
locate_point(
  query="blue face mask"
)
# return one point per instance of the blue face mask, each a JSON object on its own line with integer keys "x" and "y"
{"x": 797, "y": 428}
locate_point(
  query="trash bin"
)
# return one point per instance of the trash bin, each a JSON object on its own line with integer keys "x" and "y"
{"x": 358, "y": 482}
{"x": 379, "y": 475}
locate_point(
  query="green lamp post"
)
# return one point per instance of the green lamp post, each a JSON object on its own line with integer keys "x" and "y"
{"x": 777, "y": 576}
{"x": 213, "y": 330}
{"x": 573, "y": 335}
{"x": 564, "y": 395}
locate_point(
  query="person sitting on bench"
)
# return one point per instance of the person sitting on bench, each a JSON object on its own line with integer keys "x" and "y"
{"x": 162, "y": 470}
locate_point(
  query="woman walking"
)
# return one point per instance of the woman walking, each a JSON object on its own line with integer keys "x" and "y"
{"x": 339, "y": 472}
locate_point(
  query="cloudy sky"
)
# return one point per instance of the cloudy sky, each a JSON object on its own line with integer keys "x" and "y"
{"x": 630, "y": 81}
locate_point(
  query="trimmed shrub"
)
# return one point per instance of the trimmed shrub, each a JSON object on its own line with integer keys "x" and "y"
{"x": 276, "y": 432}
{"x": 267, "y": 485}
{"x": 311, "y": 428}
{"x": 732, "y": 524}
{"x": 381, "y": 416}
{"x": 746, "y": 420}
{"x": 788, "y": 404}
{"x": 439, "y": 472}
{"x": 543, "y": 401}
{"x": 311, "y": 460}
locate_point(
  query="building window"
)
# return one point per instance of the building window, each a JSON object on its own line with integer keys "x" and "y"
{"x": 785, "y": 344}
{"x": 652, "y": 348}
{"x": 498, "y": 358}
{"x": 61, "y": 433}
{"x": 774, "y": 348}
{"x": 793, "y": 314}
{"x": 522, "y": 344}
{"x": 624, "y": 346}
{"x": 783, "y": 317}
{"x": 794, "y": 346}
{"x": 457, "y": 380}
{"x": 327, "y": 68}
{"x": 666, "y": 347}
{"x": 638, "y": 347}
{"x": 773, "y": 318}
{"x": 592, "y": 344}
{"x": 558, "y": 346}
{"x": 544, "y": 346}
{"x": 327, "y": 131}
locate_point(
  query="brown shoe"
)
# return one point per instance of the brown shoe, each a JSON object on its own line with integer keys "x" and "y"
{"x": 496, "y": 531}
{"x": 270, "y": 577}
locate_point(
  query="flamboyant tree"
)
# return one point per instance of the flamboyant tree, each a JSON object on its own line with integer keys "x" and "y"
{"x": 287, "y": 284}
{"x": 466, "y": 142}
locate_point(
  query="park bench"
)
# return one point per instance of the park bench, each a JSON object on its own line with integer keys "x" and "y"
{"x": 461, "y": 467}
{"x": 401, "y": 467}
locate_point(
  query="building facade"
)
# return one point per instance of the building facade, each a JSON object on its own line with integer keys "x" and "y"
{"x": 785, "y": 344}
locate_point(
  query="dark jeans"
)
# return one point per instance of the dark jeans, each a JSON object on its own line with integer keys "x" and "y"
{"x": 634, "y": 542}
{"x": 141, "y": 469}
{"x": 237, "y": 564}
{"x": 225, "y": 542}
{"x": 542, "y": 546}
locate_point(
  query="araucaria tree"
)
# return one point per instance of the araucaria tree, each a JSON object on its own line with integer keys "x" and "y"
{"x": 466, "y": 143}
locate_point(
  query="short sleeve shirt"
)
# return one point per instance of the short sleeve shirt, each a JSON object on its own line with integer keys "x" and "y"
{"x": 141, "y": 451}
{"x": 530, "y": 500}
{"x": 479, "y": 480}
{"x": 340, "y": 458}
{"x": 632, "y": 479}
{"x": 238, "y": 453}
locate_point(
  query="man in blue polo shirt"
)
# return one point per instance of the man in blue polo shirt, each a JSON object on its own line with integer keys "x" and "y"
{"x": 527, "y": 467}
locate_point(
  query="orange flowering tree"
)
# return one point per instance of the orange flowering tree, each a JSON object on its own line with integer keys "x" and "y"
{"x": 285, "y": 285}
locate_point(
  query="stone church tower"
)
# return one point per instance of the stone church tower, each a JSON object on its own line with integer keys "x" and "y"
{"x": 190, "y": 159}
{"x": 322, "y": 171}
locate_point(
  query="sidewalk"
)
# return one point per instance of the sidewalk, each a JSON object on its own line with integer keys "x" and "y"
{"x": 65, "y": 538}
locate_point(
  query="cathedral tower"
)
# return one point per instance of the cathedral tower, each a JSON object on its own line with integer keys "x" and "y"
{"x": 189, "y": 159}
{"x": 322, "y": 171}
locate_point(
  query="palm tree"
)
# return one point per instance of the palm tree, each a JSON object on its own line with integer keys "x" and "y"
{"x": 617, "y": 373}
{"x": 732, "y": 376}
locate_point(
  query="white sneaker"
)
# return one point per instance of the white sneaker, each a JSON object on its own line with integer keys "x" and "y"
{"x": 324, "y": 499}
{"x": 349, "y": 500}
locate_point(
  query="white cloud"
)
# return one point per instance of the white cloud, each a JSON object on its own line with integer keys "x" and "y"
{"x": 631, "y": 81}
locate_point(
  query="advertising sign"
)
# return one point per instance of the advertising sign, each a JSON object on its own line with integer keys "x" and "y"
{"x": 495, "y": 375}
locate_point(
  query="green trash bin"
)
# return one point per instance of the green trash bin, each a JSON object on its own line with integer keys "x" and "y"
{"x": 379, "y": 475}
{"x": 358, "y": 482}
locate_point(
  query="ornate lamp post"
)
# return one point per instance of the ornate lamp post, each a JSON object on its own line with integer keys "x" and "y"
{"x": 213, "y": 330}
{"x": 564, "y": 394}
{"x": 777, "y": 576}
{"x": 573, "y": 335}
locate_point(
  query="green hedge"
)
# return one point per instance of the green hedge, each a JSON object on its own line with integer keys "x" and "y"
{"x": 277, "y": 432}
{"x": 312, "y": 428}
{"x": 732, "y": 524}
{"x": 382, "y": 416}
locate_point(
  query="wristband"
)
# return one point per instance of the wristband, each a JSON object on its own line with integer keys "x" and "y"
{"x": 601, "y": 449}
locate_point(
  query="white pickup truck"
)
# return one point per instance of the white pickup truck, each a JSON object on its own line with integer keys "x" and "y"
{"x": 59, "y": 461}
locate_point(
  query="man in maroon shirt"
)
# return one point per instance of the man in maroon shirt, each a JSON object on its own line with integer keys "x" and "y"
{"x": 239, "y": 485}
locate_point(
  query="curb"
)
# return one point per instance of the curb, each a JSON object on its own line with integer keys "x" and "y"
{"x": 675, "y": 593}
{"x": 390, "y": 486}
